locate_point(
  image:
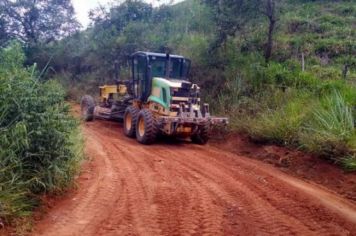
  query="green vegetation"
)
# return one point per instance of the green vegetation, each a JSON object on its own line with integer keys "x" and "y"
{"x": 41, "y": 146}
{"x": 284, "y": 71}
{"x": 330, "y": 130}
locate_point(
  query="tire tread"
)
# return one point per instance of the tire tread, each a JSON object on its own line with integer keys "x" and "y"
{"x": 151, "y": 129}
{"x": 134, "y": 114}
{"x": 202, "y": 136}
{"x": 87, "y": 103}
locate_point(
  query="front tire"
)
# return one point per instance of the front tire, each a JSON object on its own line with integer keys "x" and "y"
{"x": 130, "y": 120}
{"x": 87, "y": 106}
{"x": 202, "y": 135}
{"x": 146, "y": 127}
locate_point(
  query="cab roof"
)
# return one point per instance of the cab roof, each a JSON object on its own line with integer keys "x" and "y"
{"x": 141, "y": 53}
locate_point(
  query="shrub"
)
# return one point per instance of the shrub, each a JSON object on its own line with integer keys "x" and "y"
{"x": 76, "y": 88}
{"x": 40, "y": 146}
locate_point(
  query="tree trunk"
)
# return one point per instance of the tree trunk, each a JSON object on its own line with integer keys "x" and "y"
{"x": 270, "y": 12}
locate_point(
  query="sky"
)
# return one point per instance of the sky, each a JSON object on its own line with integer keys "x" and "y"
{"x": 82, "y": 7}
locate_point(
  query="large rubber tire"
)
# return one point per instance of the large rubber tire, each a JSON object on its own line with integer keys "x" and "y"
{"x": 130, "y": 120}
{"x": 87, "y": 106}
{"x": 146, "y": 127}
{"x": 202, "y": 135}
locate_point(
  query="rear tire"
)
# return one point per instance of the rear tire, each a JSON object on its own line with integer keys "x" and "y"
{"x": 130, "y": 120}
{"x": 146, "y": 127}
{"x": 202, "y": 135}
{"x": 87, "y": 106}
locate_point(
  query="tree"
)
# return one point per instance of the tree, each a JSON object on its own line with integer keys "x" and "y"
{"x": 231, "y": 16}
{"x": 119, "y": 31}
{"x": 37, "y": 21}
{"x": 121, "y": 15}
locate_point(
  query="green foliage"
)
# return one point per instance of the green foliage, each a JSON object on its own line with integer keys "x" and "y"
{"x": 12, "y": 59}
{"x": 274, "y": 102}
{"x": 125, "y": 28}
{"x": 349, "y": 163}
{"x": 36, "y": 22}
{"x": 279, "y": 116}
{"x": 40, "y": 145}
{"x": 76, "y": 89}
{"x": 231, "y": 16}
{"x": 330, "y": 131}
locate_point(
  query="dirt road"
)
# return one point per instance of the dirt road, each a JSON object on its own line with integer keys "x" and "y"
{"x": 185, "y": 189}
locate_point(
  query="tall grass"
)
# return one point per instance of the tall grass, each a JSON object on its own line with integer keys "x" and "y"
{"x": 41, "y": 146}
{"x": 330, "y": 131}
{"x": 279, "y": 126}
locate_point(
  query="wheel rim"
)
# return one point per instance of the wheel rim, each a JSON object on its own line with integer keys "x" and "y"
{"x": 141, "y": 127}
{"x": 128, "y": 121}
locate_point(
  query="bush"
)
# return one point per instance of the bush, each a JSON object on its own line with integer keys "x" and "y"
{"x": 78, "y": 87}
{"x": 330, "y": 131}
{"x": 40, "y": 145}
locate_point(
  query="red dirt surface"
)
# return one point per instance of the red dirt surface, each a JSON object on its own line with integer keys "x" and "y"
{"x": 293, "y": 162}
{"x": 177, "y": 188}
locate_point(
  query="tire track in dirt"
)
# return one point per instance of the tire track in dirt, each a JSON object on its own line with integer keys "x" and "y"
{"x": 184, "y": 189}
{"x": 284, "y": 207}
{"x": 275, "y": 191}
{"x": 260, "y": 211}
{"x": 173, "y": 194}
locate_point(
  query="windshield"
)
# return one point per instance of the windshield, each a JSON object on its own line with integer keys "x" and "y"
{"x": 178, "y": 68}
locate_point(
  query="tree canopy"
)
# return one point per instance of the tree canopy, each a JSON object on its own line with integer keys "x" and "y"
{"x": 37, "y": 21}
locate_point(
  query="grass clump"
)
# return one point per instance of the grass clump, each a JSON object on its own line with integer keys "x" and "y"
{"x": 349, "y": 163}
{"x": 40, "y": 147}
{"x": 330, "y": 131}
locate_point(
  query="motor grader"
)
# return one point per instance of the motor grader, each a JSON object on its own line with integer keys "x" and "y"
{"x": 158, "y": 100}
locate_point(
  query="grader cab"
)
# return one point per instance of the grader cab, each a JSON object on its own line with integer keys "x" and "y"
{"x": 159, "y": 99}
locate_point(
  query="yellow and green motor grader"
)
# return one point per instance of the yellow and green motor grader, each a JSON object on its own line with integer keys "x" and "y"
{"x": 159, "y": 99}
